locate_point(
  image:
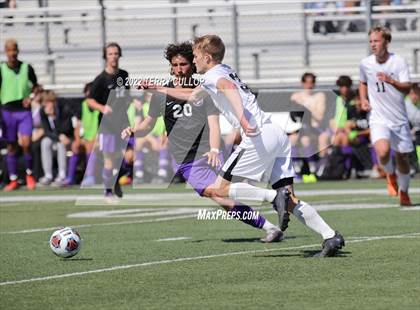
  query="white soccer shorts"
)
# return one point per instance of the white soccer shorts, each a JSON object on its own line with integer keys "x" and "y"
{"x": 398, "y": 136}
{"x": 267, "y": 154}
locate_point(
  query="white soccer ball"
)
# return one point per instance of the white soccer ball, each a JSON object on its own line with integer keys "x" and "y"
{"x": 65, "y": 242}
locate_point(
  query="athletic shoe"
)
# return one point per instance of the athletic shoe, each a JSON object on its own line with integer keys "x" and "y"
{"x": 331, "y": 246}
{"x": 392, "y": 185}
{"x": 67, "y": 182}
{"x": 13, "y": 185}
{"x": 405, "y": 199}
{"x": 58, "y": 181}
{"x": 274, "y": 235}
{"x": 285, "y": 222}
{"x": 110, "y": 198}
{"x": 45, "y": 181}
{"x": 30, "y": 182}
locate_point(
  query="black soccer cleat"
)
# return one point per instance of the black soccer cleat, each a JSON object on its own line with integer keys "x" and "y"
{"x": 331, "y": 246}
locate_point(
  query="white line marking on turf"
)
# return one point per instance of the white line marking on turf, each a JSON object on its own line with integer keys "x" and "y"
{"x": 410, "y": 208}
{"x": 161, "y": 219}
{"x": 317, "y": 207}
{"x": 163, "y": 197}
{"x": 184, "y": 259}
{"x": 174, "y": 239}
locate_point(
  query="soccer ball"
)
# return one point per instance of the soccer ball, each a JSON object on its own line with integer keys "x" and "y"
{"x": 65, "y": 242}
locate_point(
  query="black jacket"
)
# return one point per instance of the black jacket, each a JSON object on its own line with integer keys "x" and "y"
{"x": 62, "y": 124}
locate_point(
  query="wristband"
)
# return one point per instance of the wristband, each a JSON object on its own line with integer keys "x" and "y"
{"x": 213, "y": 149}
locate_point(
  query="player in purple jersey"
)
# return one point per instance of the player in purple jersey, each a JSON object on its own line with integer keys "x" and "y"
{"x": 194, "y": 137}
{"x": 18, "y": 85}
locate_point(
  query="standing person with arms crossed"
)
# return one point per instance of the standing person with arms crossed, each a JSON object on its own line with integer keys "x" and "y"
{"x": 264, "y": 146}
{"x": 384, "y": 81}
{"x": 18, "y": 85}
{"x": 113, "y": 115}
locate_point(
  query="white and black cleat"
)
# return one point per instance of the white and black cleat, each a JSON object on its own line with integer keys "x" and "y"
{"x": 274, "y": 235}
{"x": 331, "y": 246}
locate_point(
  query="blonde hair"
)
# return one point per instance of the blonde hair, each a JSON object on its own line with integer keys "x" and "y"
{"x": 11, "y": 41}
{"x": 385, "y": 32}
{"x": 49, "y": 95}
{"x": 212, "y": 45}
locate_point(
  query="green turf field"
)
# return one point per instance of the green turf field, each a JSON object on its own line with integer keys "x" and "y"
{"x": 128, "y": 262}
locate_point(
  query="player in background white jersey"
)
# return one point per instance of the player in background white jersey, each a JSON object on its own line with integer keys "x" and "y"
{"x": 264, "y": 147}
{"x": 384, "y": 81}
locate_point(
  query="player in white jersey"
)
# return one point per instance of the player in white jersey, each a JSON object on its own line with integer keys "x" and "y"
{"x": 264, "y": 148}
{"x": 384, "y": 81}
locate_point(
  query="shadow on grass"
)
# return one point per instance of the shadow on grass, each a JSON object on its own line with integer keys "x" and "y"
{"x": 239, "y": 240}
{"x": 304, "y": 254}
{"x": 76, "y": 259}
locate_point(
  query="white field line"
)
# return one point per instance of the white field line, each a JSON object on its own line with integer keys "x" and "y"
{"x": 265, "y": 210}
{"x": 162, "y": 219}
{"x": 183, "y": 259}
{"x": 173, "y": 239}
{"x": 171, "y": 197}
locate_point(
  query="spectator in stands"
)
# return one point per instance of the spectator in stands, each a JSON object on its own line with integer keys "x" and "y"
{"x": 58, "y": 133}
{"x": 314, "y": 136}
{"x": 323, "y": 27}
{"x": 18, "y": 85}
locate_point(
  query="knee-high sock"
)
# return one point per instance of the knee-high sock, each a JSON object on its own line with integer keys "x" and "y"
{"x": 71, "y": 170}
{"x": 311, "y": 219}
{"x": 163, "y": 159}
{"x": 244, "y": 191}
{"x": 248, "y": 215}
{"x": 90, "y": 165}
{"x": 347, "y": 152}
{"x": 403, "y": 181}
{"x": 12, "y": 166}
{"x": 107, "y": 178}
{"x": 28, "y": 162}
{"x": 138, "y": 164}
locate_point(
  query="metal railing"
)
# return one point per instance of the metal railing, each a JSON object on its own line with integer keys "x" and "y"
{"x": 230, "y": 17}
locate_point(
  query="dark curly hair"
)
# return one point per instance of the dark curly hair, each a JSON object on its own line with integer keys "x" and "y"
{"x": 184, "y": 49}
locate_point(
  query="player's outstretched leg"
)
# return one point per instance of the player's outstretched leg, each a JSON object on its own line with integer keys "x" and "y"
{"x": 308, "y": 216}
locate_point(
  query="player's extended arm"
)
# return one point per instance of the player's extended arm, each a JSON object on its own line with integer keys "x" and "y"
{"x": 363, "y": 96}
{"x": 214, "y": 139}
{"x": 143, "y": 128}
{"x": 93, "y": 104}
{"x": 214, "y": 131}
{"x": 232, "y": 94}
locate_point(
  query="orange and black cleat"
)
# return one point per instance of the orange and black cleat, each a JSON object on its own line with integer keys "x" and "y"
{"x": 405, "y": 199}
{"x": 392, "y": 185}
{"x": 13, "y": 185}
{"x": 30, "y": 182}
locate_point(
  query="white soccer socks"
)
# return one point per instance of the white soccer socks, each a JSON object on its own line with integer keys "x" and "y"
{"x": 310, "y": 218}
{"x": 244, "y": 191}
